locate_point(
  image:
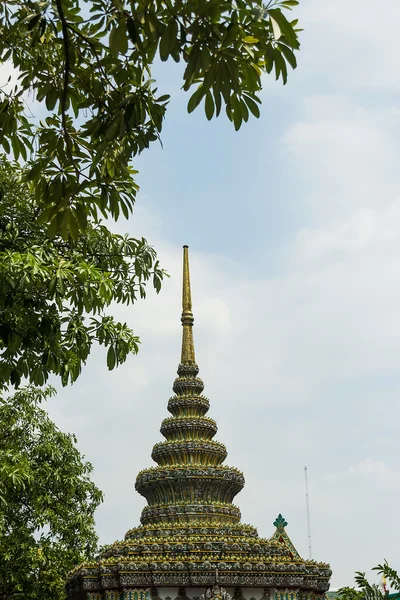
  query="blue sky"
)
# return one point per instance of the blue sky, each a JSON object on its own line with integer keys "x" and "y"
{"x": 293, "y": 226}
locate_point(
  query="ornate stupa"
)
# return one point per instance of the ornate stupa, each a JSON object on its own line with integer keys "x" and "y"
{"x": 191, "y": 544}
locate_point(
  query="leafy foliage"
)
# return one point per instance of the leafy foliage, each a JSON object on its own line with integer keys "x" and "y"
{"x": 53, "y": 293}
{"x": 89, "y": 63}
{"x": 47, "y": 501}
{"x": 390, "y": 574}
{"x": 368, "y": 591}
{"x": 349, "y": 593}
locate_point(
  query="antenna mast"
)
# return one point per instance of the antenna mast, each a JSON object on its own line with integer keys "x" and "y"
{"x": 308, "y": 515}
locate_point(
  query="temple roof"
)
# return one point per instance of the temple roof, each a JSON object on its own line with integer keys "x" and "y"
{"x": 190, "y": 527}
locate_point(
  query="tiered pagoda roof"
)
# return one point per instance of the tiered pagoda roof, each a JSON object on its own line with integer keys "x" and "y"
{"x": 190, "y": 529}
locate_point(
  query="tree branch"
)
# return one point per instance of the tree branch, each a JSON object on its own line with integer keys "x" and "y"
{"x": 67, "y": 71}
{"x": 79, "y": 33}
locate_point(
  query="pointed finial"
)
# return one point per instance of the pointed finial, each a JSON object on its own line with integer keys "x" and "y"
{"x": 187, "y": 356}
{"x": 280, "y": 523}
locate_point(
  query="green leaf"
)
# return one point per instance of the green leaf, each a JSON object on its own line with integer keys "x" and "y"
{"x": 111, "y": 358}
{"x": 275, "y": 28}
{"x": 118, "y": 39}
{"x": 209, "y": 106}
{"x": 290, "y": 4}
{"x": 15, "y": 147}
{"x": 131, "y": 27}
{"x": 73, "y": 226}
{"x": 244, "y": 110}
{"x": 195, "y": 99}
{"x": 217, "y": 100}
{"x": 52, "y": 228}
{"x": 250, "y": 39}
{"x": 285, "y": 28}
{"x": 164, "y": 98}
{"x": 169, "y": 39}
{"x": 230, "y": 35}
{"x": 51, "y": 98}
{"x": 34, "y": 21}
{"x": 252, "y": 106}
{"x": 6, "y": 145}
{"x": 288, "y": 54}
{"x": 280, "y": 66}
{"x": 237, "y": 113}
{"x": 44, "y": 215}
{"x": 63, "y": 222}
{"x": 191, "y": 69}
{"x": 257, "y": 69}
{"x": 81, "y": 216}
{"x": 269, "y": 59}
{"x": 205, "y": 58}
{"x": 22, "y": 148}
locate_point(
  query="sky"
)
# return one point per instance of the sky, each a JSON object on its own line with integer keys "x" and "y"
{"x": 293, "y": 225}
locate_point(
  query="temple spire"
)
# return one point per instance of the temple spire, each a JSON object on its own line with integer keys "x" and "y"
{"x": 187, "y": 356}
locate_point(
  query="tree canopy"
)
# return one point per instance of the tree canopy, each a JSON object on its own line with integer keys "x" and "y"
{"x": 89, "y": 64}
{"x": 47, "y": 501}
{"x": 54, "y": 293}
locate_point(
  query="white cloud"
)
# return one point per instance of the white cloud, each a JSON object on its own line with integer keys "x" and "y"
{"x": 355, "y": 42}
{"x": 342, "y": 160}
{"x": 377, "y": 473}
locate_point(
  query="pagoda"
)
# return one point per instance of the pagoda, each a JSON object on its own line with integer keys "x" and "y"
{"x": 191, "y": 544}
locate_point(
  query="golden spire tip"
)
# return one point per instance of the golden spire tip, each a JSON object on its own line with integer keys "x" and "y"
{"x": 187, "y": 356}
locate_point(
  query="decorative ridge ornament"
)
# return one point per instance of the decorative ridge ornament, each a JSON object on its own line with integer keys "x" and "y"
{"x": 280, "y": 522}
{"x": 282, "y": 537}
{"x": 187, "y": 319}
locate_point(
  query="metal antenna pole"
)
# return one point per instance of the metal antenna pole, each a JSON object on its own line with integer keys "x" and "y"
{"x": 308, "y": 515}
